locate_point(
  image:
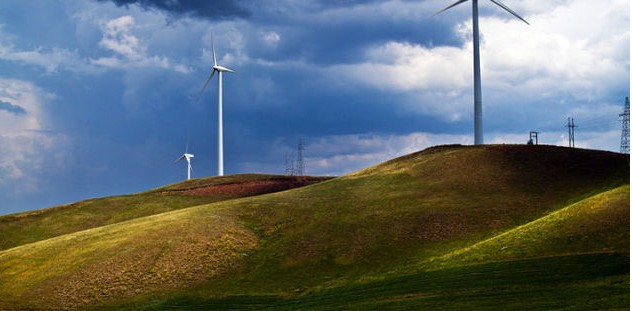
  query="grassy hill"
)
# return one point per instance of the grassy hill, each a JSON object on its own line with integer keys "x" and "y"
{"x": 452, "y": 227}
{"x": 28, "y": 227}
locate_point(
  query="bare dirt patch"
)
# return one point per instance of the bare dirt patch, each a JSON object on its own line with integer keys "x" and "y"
{"x": 252, "y": 187}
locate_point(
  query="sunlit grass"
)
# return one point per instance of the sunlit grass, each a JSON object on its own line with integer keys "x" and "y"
{"x": 180, "y": 250}
{"x": 597, "y": 224}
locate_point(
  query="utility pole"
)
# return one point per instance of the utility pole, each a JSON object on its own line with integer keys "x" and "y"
{"x": 625, "y": 127}
{"x": 571, "y": 132}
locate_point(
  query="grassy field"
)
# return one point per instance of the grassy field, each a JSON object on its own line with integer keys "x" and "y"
{"x": 452, "y": 227}
{"x": 579, "y": 282}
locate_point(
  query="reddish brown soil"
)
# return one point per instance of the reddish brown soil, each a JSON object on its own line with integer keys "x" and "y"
{"x": 254, "y": 187}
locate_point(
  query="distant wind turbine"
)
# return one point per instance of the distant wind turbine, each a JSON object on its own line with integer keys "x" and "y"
{"x": 478, "y": 97}
{"x": 186, "y": 155}
{"x": 220, "y": 129}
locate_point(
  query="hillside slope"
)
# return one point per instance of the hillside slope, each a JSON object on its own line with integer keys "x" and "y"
{"x": 442, "y": 206}
{"x": 397, "y": 214}
{"x": 599, "y": 224}
{"x": 28, "y": 227}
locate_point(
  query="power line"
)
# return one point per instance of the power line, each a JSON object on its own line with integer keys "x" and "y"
{"x": 600, "y": 122}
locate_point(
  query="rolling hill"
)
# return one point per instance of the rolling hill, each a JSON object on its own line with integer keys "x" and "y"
{"x": 23, "y": 228}
{"x": 450, "y": 227}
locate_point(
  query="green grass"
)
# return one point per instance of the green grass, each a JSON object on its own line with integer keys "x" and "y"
{"x": 28, "y": 227}
{"x": 155, "y": 253}
{"x": 578, "y": 282}
{"x": 597, "y": 224}
{"x": 439, "y": 214}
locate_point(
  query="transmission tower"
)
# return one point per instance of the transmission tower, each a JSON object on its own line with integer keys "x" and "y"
{"x": 289, "y": 165}
{"x": 295, "y": 168}
{"x": 571, "y": 132}
{"x": 300, "y": 165}
{"x": 625, "y": 127}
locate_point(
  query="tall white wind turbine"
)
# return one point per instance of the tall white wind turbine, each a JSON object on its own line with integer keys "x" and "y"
{"x": 220, "y": 128}
{"x": 478, "y": 97}
{"x": 186, "y": 155}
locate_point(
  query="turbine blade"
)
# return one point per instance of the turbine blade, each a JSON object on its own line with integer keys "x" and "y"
{"x": 451, "y": 6}
{"x": 506, "y": 8}
{"x": 213, "y": 48}
{"x": 179, "y": 159}
{"x": 205, "y": 84}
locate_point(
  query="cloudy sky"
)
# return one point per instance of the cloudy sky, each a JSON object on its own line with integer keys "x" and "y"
{"x": 98, "y": 98}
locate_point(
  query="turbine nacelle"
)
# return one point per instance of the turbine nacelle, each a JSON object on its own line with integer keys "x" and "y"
{"x": 216, "y": 68}
{"x": 186, "y": 155}
{"x": 219, "y": 68}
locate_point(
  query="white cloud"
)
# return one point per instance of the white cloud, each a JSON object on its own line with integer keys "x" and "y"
{"x": 129, "y": 50}
{"x": 343, "y": 154}
{"x": 117, "y": 37}
{"x": 28, "y": 97}
{"x": 581, "y": 48}
{"x": 577, "y": 49}
{"x": 271, "y": 38}
{"x": 406, "y": 67}
{"x": 27, "y": 146}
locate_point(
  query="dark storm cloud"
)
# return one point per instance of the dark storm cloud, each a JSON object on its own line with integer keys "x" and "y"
{"x": 340, "y": 32}
{"x": 221, "y": 9}
{"x": 14, "y": 109}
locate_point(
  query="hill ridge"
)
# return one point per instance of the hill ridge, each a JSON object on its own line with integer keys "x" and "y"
{"x": 379, "y": 223}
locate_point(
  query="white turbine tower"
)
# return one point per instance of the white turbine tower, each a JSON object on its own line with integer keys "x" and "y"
{"x": 220, "y": 128}
{"x": 478, "y": 97}
{"x": 186, "y": 155}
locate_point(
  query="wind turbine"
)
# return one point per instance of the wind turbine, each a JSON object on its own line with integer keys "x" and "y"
{"x": 478, "y": 97}
{"x": 186, "y": 155}
{"x": 220, "y": 128}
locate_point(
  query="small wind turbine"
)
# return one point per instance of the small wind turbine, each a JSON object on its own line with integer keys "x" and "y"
{"x": 186, "y": 155}
{"x": 478, "y": 97}
{"x": 220, "y": 135}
